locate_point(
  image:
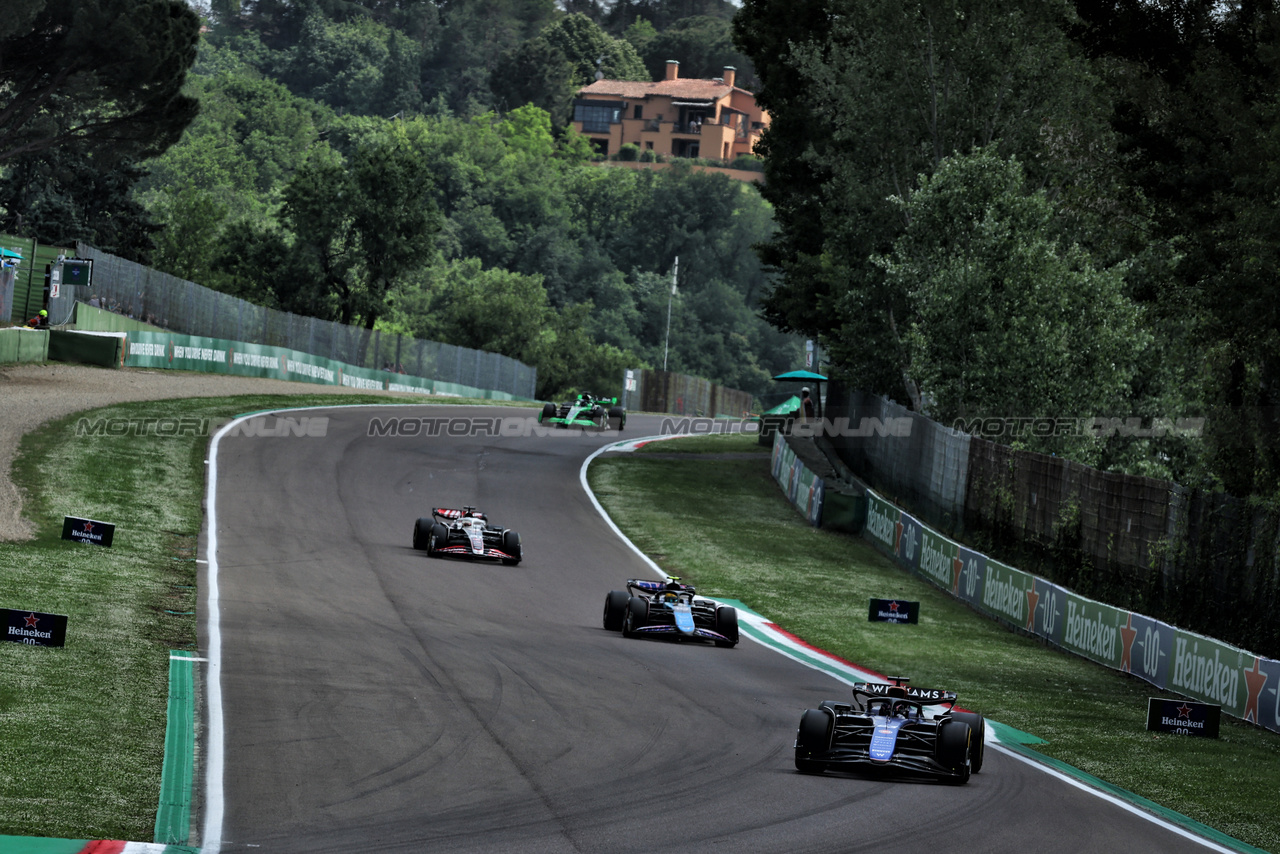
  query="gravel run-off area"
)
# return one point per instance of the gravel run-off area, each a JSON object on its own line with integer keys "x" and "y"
{"x": 32, "y": 394}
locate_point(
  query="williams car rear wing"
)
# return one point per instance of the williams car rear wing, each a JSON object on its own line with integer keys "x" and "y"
{"x": 924, "y": 696}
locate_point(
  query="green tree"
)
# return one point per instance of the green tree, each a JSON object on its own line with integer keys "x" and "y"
{"x": 61, "y": 195}
{"x": 664, "y": 13}
{"x": 549, "y": 70}
{"x": 493, "y": 310}
{"x": 362, "y": 225}
{"x": 474, "y": 36}
{"x": 1194, "y": 87}
{"x": 358, "y": 66}
{"x": 864, "y": 96}
{"x": 95, "y": 75}
{"x": 1006, "y": 322}
{"x": 538, "y": 73}
{"x": 232, "y": 163}
{"x": 703, "y": 45}
{"x": 590, "y": 49}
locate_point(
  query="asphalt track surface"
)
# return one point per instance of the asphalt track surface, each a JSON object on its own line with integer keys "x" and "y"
{"x": 379, "y": 700}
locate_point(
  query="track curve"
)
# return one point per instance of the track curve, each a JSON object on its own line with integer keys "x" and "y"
{"x": 378, "y": 700}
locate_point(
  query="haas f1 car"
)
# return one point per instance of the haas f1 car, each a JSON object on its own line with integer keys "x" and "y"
{"x": 585, "y": 411}
{"x": 669, "y": 609}
{"x": 886, "y": 729}
{"x": 465, "y": 533}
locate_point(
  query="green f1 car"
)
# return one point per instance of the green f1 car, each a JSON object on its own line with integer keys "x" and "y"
{"x": 585, "y": 411}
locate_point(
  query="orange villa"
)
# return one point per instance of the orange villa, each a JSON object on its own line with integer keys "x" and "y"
{"x": 685, "y": 118}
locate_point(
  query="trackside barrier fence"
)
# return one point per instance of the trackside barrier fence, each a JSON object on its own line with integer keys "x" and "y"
{"x": 1172, "y": 659}
{"x": 186, "y": 308}
{"x": 1192, "y": 557}
{"x": 220, "y": 356}
{"x": 647, "y": 390}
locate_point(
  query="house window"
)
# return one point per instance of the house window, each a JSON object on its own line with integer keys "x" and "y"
{"x": 649, "y": 145}
{"x": 638, "y": 112}
{"x": 596, "y": 119}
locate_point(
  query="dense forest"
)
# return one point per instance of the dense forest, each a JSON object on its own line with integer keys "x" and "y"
{"x": 1057, "y": 209}
{"x": 408, "y": 166}
{"x": 1061, "y": 209}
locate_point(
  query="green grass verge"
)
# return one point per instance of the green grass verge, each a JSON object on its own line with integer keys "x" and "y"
{"x": 82, "y": 727}
{"x": 724, "y": 526}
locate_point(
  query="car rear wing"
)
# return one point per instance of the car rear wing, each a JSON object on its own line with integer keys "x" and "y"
{"x": 654, "y": 586}
{"x": 449, "y": 513}
{"x": 924, "y": 696}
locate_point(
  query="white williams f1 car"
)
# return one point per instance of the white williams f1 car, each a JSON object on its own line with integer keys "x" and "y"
{"x": 466, "y": 533}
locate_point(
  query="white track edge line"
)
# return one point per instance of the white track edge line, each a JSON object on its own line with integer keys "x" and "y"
{"x": 779, "y": 648}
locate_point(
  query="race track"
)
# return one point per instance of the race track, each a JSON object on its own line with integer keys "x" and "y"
{"x": 374, "y": 699}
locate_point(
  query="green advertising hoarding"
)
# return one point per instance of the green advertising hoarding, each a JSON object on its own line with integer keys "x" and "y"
{"x": 1006, "y": 593}
{"x": 197, "y": 353}
{"x": 1211, "y": 671}
{"x": 1093, "y": 630}
{"x": 882, "y": 521}
{"x": 938, "y": 559}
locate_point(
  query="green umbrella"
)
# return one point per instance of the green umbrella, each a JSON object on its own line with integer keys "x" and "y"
{"x": 799, "y": 376}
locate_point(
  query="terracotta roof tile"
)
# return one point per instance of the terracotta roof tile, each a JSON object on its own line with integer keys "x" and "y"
{"x": 703, "y": 90}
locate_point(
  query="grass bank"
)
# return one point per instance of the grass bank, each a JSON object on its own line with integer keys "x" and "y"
{"x": 82, "y": 726}
{"x": 724, "y": 526}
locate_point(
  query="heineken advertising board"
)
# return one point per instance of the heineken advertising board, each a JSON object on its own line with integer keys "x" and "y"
{"x": 88, "y": 531}
{"x": 938, "y": 557}
{"x": 1008, "y": 594}
{"x": 972, "y": 574}
{"x": 1093, "y": 630}
{"x": 804, "y": 489}
{"x": 893, "y": 611}
{"x": 1208, "y": 671}
{"x": 1048, "y": 605}
{"x": 882, "y": 522}
{"x": 1183, "y": 717}
{"x": 34, "y": 628}
{"x": 1146, "y": 649}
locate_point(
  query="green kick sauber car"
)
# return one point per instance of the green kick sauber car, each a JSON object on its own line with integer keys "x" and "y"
{"x": 585, "y": 410}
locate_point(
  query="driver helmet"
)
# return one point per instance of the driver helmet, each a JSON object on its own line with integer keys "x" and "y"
{"x": 44, "y": 313}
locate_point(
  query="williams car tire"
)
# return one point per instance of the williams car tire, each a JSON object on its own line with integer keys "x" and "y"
{"x": 978, "y": 737}
{"x": 421, "y": 534}
{"x": 727, "y": 625}
{"x": 813, "y": 738}
{"x": 511, "y": 545}
{"x": 952, "y": 751}
{"x": 615, "y": 609}
{"x": 636, "y": 617}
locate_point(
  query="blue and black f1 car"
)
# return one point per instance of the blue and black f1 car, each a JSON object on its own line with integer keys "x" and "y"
{"x": 466, "y": 533}
{"x": 887, "y": 729}
{"x": 585, "y": 411}
{"x": 669, "y": 609}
